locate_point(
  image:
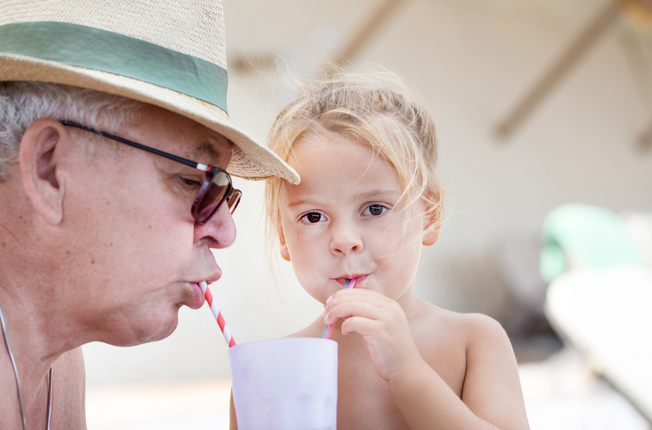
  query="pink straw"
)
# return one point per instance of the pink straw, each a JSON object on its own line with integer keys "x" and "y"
{"x": 326, "y": 333}
{"x": 216, "y": 312}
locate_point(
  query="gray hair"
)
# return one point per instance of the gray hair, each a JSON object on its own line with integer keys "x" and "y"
{"x": 22, "y": 103}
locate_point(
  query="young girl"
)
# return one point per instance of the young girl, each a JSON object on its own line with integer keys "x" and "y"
{"x": 367, "y": 202}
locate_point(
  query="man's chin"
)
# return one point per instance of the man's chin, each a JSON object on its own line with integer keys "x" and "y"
{"x": 167, "y": 331}
{"x": 156, "y": 330}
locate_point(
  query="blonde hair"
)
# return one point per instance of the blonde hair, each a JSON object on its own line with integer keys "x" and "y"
{"x": 374, "y": 107}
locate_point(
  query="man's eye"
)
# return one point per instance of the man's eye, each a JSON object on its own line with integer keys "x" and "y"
{"x": 312, "y": 217}
{"x": 375, "y": 210}
{"x": 190, "y": 182}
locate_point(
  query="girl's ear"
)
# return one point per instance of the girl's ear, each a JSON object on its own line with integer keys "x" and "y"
{"x": 430, "y": 237}
{"x": 430, "y": 230}
{"x": 284, "y": 247}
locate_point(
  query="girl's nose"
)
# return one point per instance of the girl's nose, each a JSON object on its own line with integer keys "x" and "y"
{"x": 345, "y": 240}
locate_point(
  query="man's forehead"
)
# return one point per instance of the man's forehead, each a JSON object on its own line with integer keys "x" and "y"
{"x": 191, "y": 139}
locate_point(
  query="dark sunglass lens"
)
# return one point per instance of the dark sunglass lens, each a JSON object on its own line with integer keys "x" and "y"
{"x": 213, "y": 197}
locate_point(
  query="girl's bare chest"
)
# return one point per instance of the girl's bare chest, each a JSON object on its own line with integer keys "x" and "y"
{"x": 364, "y": 398}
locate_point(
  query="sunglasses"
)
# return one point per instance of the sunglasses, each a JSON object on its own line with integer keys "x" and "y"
{"x": 216, "y": 189}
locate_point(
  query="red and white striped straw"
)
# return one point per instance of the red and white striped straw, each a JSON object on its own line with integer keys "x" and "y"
{"x": 326, "y": 333}
{"x": 216, "y": 312}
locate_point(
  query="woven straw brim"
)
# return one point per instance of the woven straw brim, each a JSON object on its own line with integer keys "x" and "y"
{"x": 250, "y": 159}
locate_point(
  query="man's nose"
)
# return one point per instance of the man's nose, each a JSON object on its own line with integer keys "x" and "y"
{"x": 219, "y": 231}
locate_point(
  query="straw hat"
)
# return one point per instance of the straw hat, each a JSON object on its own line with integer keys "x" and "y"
{"x": 169, "y": 53}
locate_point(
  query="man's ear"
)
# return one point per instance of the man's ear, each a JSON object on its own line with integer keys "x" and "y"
{"x": 285, "y": 254}
{"x": 39, "y": 158}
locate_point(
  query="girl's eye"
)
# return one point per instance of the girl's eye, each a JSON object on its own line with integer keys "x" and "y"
{"x": 375, "y": 210}
{"x": 312, "y": 217}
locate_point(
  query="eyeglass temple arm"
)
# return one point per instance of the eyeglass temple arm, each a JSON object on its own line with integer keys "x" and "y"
{"x": 185, "y": 161}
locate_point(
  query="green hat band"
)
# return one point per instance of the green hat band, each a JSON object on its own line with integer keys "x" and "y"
{"x": 106, "y": 51}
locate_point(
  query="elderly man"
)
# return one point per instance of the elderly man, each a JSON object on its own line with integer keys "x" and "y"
{"x": 114, "y": 151}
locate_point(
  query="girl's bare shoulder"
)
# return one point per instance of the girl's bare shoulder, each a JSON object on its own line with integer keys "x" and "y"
{"x": 468, "y": 325}
{"x": 456, "y": 335}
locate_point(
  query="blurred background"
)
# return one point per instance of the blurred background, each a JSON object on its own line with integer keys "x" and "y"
{"x": 538, "y": 104}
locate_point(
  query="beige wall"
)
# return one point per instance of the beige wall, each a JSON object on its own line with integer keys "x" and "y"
{"x": 471, "y": 61}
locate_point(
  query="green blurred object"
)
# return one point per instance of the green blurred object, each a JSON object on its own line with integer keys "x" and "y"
{"x": 580, "y": 236}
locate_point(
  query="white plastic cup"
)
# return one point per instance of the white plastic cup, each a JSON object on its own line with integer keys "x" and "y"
{"x": 285, "y": 384}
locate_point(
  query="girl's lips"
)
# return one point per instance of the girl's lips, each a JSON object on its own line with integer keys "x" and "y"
{"x": 358, "y": 278}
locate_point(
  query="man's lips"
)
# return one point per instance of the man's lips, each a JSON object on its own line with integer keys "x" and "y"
{"x": 196, "y": 300}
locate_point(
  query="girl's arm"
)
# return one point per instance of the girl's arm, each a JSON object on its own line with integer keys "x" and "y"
{"x": 233, "y": 425}
{"x": 491, "y": 395}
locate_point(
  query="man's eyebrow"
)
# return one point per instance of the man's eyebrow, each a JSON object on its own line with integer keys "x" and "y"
{"x": 205, "y": 152}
